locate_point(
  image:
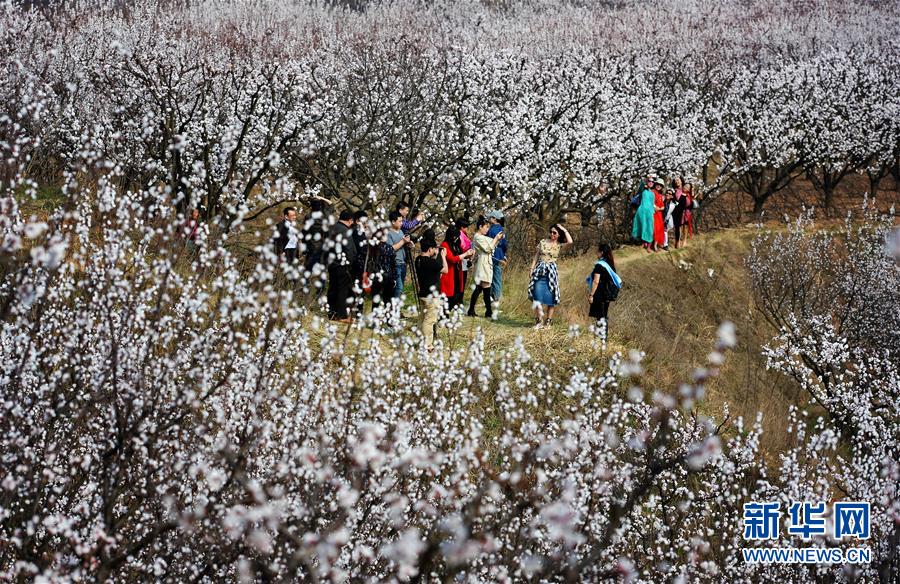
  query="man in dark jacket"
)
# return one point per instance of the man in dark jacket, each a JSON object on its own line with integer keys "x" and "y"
{"x": 341, "y": 254}
{"x": 313, "y": 235}
{"x": 287, "y": 238}
{"x": 360, "y": 242}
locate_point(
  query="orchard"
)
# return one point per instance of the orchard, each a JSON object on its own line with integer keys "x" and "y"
{"x": 174, "y": 414}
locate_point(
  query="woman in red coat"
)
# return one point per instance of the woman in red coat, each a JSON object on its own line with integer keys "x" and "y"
{"x": 452, "y": 285}
{"x": 659, "y": 225}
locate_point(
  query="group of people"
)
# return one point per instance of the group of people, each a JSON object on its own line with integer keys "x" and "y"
{"x": 364, "y": 260}
{"x": 661, "y": 211}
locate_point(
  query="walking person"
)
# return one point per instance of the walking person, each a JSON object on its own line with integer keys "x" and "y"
{"x": 341, "y": 257}
{"x": 430, "y": 265}
{"x": 287, "y": 238}
{"x": 397, "y": 239}
{"x": 500, "y": 254}
{"x": 483, "y": 272}
{"x": 543, "y": 287}
{"x": 642, "y": 227}
{"x": 604, "y": 286}
{"x": 452, "y": 285}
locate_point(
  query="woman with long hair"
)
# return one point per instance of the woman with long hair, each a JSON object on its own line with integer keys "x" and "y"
{"x": 688, "y": 218}
{"x": 483, "y": 271}
{"x": 659, "y": 226}
{"x": 680, "y": 208}
{"x": 602, "y": 278}
{"x": 452, "y": 285}
{"x": 543, "y": 287}
{"x": 642, "y": 228}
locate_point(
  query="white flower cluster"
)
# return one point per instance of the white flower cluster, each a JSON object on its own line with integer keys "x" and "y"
{"x": 236, "y": 106}
{"x": 169, "y": 420}
{"x": 834, "y": 297}
{"x": 171, "y": 413}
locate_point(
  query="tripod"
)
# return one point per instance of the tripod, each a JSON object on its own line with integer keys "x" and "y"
{"x": 414, "y": 277}
{"x": 412, "y": 269}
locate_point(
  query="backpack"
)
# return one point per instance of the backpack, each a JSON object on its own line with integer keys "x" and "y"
{"x": 611, "y": 291}
{"x": 609, "y": 288}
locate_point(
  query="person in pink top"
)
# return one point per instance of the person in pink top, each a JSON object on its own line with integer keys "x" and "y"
{"x": 688, "y": 213}
{"x": 465, "y": 245}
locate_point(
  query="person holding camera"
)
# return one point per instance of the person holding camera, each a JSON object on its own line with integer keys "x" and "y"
{"x": 483, "y": 272}
{"x": 398, "y": 240}
{"x": 430, "y": 265}
{"x": 409, "y": 225}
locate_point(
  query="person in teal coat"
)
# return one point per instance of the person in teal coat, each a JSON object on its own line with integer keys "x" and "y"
{"x": 643, "y": 219}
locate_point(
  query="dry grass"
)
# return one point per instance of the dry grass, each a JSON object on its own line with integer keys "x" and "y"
{"x": 670, "y": 310}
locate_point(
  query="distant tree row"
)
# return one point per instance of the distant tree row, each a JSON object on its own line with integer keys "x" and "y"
{"x": 543, "y": 107}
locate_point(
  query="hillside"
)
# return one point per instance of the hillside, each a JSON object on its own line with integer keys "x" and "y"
{"x": 670, "y": 307}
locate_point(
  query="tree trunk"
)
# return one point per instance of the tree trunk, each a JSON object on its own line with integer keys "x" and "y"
{"x": 759, "y": 197}
{"x": 758, "y": 202}
{"x": 828, "y": 197}
{"x": 874, "y": 181}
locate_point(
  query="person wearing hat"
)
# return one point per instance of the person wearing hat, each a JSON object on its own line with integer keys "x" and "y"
{"x": 642, "y": 227}
{"x": 499, "y": 259}
{"x": 668, "y": 216}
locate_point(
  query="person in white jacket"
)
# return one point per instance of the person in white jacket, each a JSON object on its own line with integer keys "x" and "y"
{"x": 668, "y": 216}
{"x": 483, "y": 272}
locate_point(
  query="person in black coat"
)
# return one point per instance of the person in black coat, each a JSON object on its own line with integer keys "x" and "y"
{"x": 360, "y": 243}
{"x": 341, "y": 254}
{"x": 600, "y": 282}
{"x": 286, "y": 241}
{"x": 681, "y": 201}
{"x": 313, "y": 234}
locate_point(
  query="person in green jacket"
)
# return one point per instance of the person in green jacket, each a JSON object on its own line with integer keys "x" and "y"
{"x": 642, "y": 228}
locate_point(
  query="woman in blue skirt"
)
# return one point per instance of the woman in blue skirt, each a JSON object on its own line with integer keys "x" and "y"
{"x": 543, "y": 288}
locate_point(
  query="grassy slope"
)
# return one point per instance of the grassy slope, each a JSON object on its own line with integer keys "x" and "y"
{"x": 670, "y": 311}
